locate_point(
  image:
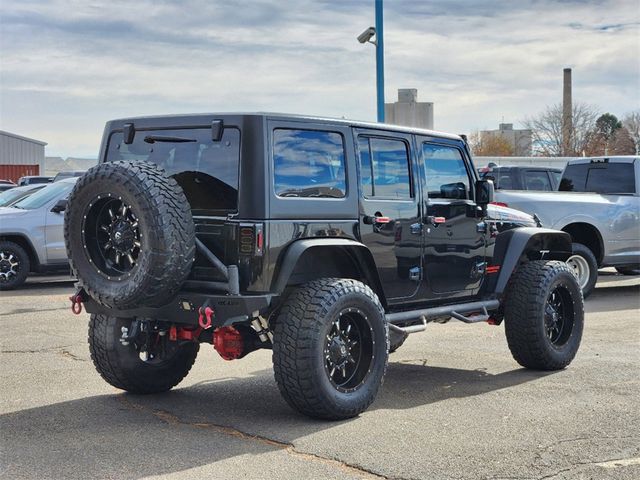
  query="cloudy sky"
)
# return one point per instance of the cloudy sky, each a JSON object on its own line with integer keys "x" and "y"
{"x": 69, "y": 66}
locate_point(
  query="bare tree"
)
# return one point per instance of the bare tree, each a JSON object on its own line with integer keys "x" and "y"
{"x": 631, "y": 122}
{"x": 490, "y": 145}
{"x": 546, "y": 130}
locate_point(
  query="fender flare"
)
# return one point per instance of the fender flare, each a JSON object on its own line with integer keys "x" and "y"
{"x": 526, "y": 242}
{"x": 288, "y": 260}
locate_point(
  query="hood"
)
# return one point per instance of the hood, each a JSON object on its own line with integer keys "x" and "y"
{"x": 10, "y": 211}
{"x": 500, "y": 213}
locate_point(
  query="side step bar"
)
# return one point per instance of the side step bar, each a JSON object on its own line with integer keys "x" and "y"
{"x": 459, "y": 312}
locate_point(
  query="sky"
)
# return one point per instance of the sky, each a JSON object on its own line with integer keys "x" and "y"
{"x": 66, "y": 67}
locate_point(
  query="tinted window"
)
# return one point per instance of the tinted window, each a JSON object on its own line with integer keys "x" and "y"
{"x": 536, "y": 180}
{"x": 599, "y": 178}
{"x": 447, "y": 175}
{"x": 47, "y": 194}
{"x": 384, "y": 168}
{"x": 308, "y": 163}
{"x": 206, "y": 170}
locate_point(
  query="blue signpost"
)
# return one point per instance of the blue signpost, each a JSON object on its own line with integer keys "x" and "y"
{"x": 379, "y": 61}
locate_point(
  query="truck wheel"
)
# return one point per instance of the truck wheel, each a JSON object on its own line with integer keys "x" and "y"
{"x": 330, "y": 348}
{"x": 130, "y": 234}
{"x": 396, "y": 340}
{"x": 628, "y": 270}
{"x": 544, "y": 315}
{"x": 584, "y": 265}
{"x": 14, "y": 265}
{"x": 121, "y": 366}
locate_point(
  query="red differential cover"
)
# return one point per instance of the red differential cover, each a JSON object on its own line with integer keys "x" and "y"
{"x": 228, "y": 343}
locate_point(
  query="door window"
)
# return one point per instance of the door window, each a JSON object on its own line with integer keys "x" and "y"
{"x": 447, "y": 175}
{"x": 384, "y": 168}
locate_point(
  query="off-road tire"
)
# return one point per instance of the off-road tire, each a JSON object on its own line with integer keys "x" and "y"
{"x": 529, "y": 290}
{"x": 583, "y": 251}
{"x": 303, "y": 323}
{"x": 165, "y": 224}
{"x": 628, "y": 270}
{"x": 396, "y": 340}
{"x": 121, "y": 366}
{"x": 10, "y": 248}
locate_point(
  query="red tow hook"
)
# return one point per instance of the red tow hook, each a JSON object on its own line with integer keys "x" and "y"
{"x": 76, "y": 303}
{"x": 204, "y": 318}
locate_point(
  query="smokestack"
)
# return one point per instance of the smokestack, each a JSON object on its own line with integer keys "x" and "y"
{"x": 567, "y": 116}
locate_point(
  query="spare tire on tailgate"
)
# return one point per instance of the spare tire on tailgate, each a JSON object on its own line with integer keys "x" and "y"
{"x": 130, "y": 235}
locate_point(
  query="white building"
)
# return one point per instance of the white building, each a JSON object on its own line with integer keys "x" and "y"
{"x": 408, "y": 111}
{"x": 20, "y": 156}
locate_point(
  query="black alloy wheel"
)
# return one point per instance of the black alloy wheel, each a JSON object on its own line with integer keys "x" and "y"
{"x": 14, "y": 265}
{"x": 558, "y": 316}
{"x": 112, "y": 238}
{"x": 349, "y": 350}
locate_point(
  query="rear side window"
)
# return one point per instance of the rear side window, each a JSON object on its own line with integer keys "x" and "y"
{"x": 308, "y": 163}
{"x": 384, "y": 168}
{"x": 537, "y": 180}
{"x": 599, "y": 178}
{"x": 447, "y": 175}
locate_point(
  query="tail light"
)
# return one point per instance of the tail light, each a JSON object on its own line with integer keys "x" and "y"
{"x": 251, "y": 241}
{"x": 500, "y": 204}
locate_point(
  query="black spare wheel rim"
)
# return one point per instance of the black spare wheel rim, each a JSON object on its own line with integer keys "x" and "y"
{"x": 559, "y": 316}
{"x": 9, "y": 266}
{"x": 112, "y": 237}
{"x": 349, "y": 350}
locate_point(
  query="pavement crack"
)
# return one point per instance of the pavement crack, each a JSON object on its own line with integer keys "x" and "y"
{"x": 20, "y": 311}
{"x": 289, "y": 448}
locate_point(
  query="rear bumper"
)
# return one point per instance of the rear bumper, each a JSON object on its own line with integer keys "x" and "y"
{"x": 185, "y": 308}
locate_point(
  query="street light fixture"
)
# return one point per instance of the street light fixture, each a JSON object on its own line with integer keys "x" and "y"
{"x": 365, "y": 37}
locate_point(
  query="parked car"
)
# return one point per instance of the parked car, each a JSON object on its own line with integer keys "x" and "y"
{"x": 599, "y": 206}
{"x": 6, "y": 185}
{"x": 30, "y": 180}
{"x": 522, "y": 177}
{"x": 9, "y": 197}
{"x": 260, "y": 231}
{"x": 31, "y": 234}
{"x": 69, "y": 174}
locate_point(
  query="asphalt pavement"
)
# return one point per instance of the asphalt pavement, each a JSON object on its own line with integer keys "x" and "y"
{"x": 454, "y": 405}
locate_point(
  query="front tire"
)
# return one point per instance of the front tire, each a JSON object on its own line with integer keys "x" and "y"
{"x": 584, "y": 265}
{"x": 330, "y": 348}
{"x": 121, "y": 366}
{"x": 14, "y": 265}
{"x": 544, "y": 315}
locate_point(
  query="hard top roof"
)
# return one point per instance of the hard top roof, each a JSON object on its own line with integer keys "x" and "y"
{"x": 203, "y": 118}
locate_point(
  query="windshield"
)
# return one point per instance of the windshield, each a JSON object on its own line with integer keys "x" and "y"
{"x": 15, "y": 194}
{"x": 207, "y": 170}
{"x": 44, "y": 196}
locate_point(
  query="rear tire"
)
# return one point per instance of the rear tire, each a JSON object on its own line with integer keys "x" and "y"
{"x": 330, "y": 348}
{"x": 14, "y": 265}
{"x": 121, "y": 366}
{"x": 585, "y": 267}
{"x": 544, "y": 315}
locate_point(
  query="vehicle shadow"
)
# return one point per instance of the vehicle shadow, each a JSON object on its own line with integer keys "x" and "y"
{"x": 133, "y": 436}
{"x": 611, "y": 299}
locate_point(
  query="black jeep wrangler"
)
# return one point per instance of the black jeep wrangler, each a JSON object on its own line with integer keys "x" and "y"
{"x": 327, "y": 241}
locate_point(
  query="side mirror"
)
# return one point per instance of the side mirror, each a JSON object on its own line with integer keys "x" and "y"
{"x": 484, "y": 192}
{"x": 60, "y": 206}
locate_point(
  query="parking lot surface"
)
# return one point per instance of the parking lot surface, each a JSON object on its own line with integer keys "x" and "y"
{"x": 454, "y": 405}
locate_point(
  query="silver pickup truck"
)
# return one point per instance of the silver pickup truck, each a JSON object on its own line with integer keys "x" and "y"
{"x": 604, "y": 224}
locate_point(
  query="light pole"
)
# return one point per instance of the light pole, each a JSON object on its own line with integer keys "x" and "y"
{"x": 365, "y": 37}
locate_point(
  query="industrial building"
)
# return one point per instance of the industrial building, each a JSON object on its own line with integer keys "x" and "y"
{"x": 20, "y": 156}
{"x": 407, "y": 111}
{"x": 519, "y": 140}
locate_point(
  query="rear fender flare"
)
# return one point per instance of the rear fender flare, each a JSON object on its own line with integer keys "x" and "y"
{"x": 363, "y": 260}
